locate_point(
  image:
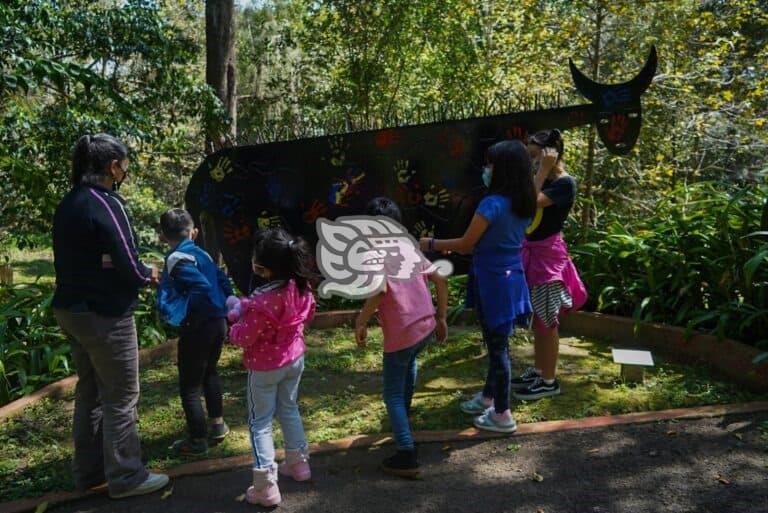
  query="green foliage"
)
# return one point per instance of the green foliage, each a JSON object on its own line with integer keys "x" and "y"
{"x": 699, "y": 260}
{"x": 83, "y": 67}
{"x": 34, "y": 351}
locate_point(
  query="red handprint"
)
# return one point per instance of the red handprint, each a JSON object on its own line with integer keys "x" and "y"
{"x": 616, "y": 128}
{"x": 315, "y": 211}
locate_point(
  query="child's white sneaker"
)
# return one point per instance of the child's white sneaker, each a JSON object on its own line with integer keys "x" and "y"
{"x": 498, "y": 422}
{"x": 264, "y": 490}
{"x": 478, "y": 404}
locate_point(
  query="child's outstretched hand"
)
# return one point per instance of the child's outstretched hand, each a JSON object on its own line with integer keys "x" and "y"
{"x": 361, "y": 334}
{"x": 442, "y": 330}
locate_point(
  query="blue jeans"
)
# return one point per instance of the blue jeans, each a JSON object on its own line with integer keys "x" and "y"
{"x": 273, "y": 393}
{"x": 399, "y": 382}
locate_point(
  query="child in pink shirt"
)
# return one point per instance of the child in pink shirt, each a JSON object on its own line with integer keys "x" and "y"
{"x": 270, "y": 329}
{"x": 408, "y": 322}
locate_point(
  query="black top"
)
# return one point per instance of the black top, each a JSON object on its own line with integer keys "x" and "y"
{"x": 550, "y": 220}
{"x": 94, "y": 250}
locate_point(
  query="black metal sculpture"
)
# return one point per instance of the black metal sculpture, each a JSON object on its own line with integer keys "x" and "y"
{"x": 433, "y": 170}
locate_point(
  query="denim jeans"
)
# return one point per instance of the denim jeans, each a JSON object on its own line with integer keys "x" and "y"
{"x": 497, "y": 380}
{"x": 273, "y": 393}
{"x": 399, "y": 382}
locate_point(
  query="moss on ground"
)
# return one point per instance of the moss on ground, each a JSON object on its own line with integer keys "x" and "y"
{"x": 341, "y": 395}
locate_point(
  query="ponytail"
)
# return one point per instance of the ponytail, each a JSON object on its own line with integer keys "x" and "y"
{"x": 91, "y": 156}
{"x": 288, "y": 258}
{"x": 80, "y": 161}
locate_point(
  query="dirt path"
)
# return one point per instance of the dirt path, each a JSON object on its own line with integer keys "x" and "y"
{"x": 710, "y": 465}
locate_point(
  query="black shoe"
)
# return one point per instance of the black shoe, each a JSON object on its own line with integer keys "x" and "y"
{"x": 190, "y": 447}
{"x": 218, "y": 432}
{"x": 525, "y": 379}
{"x": 538, "y": 390}
{"x": 402, "y": 464}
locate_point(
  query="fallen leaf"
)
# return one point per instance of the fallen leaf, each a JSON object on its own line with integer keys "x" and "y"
{"x": 41, "y": 507}
{"x": 447, "y": 447}
{"x": 671, "y": 433}
{"x": 513, "y": 447}
{"x": 593, "y": 451}
{"x": 240, "y": 498}
{"x": 723, "y": 480}
{"x": 537, "y": 477}
{"x": 540, "y": 510}
{"x": 166, "y": 493}
{"x": 653, "y": 453}
{"x": 738, "y": 435}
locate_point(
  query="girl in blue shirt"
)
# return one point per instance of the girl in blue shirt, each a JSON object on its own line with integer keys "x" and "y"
{"x": 497, "y": 289}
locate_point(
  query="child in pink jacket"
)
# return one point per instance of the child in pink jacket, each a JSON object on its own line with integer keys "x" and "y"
{"x": 270, "y": 329}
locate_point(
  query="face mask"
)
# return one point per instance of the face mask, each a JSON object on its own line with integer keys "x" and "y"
{"x": 115, "y": 184}
{"x": 487, "y": 176}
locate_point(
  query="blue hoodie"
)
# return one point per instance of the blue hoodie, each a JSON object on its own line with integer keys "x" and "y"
{"x": 192, "y": 285}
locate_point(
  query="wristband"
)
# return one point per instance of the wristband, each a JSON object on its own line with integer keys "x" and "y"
{"x": 431, "y": 245}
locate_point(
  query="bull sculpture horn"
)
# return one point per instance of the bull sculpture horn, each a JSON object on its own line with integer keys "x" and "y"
{"x": 591, "y": 89}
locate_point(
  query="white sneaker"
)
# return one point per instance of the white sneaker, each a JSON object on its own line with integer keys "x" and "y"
{"x": 152, "y": 483}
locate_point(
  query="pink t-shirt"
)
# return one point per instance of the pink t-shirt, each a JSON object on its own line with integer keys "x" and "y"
{"x": 406, "y": 312}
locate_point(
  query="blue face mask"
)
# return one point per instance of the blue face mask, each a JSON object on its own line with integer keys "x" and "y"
{"x": 487, "y": 176}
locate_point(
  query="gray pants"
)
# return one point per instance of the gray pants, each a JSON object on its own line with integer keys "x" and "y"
{"x": 106, "y": 354}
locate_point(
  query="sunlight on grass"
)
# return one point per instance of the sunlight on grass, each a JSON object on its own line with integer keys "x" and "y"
{"x": 341, "y": 396}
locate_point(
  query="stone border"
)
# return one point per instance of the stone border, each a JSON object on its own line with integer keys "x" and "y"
{"x": 63, "y": 386}
{"x": 203, "y": 467}
{"x": 730, "y": 358}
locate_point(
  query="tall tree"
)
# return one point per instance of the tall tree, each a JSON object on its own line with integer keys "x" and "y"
{"x": 220, "y": 71}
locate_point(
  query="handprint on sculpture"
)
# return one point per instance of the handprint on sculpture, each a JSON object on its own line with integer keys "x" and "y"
{"x": 267, "y": 220}
{"x": 436, "y": 197}
{"x": 338, "y": 151}
{"x": 403, "y": 171}
{"x": 421, "y": 229}
{"x": 221, "y": 169}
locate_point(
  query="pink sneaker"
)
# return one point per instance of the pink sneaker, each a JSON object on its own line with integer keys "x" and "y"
{"x": 264, "y": 490}
{"x": 296, "y": 465}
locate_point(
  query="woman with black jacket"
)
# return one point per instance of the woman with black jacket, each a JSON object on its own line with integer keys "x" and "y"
{"x": 98, "y": 278}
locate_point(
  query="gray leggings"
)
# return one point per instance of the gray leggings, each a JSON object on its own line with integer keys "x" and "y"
{"x": 106, "y": 354}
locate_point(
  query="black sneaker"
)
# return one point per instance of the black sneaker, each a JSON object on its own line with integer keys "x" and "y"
{"x": 402, "y": 464}
{"x": 190, "y": 447}
{"x": 537, "y": 390}
{"x": 218, "y": 432}
{"x": 525, "y": 379}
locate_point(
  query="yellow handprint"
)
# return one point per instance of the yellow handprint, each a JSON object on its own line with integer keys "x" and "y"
{"x": 221, "y": 169}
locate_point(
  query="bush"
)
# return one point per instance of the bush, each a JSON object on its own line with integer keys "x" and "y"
{"x": 34, "y": 351}
{"x": 698, "y": 261}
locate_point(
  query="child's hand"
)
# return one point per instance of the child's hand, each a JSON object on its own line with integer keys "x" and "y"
{"x": 548, "y": 159}
{"x": 361, "y": 334}
{"x": 442, "y": 330}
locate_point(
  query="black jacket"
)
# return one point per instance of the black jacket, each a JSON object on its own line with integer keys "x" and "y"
{"x": 94, "y": 249}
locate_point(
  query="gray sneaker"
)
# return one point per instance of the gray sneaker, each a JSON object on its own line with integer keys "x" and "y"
{"x": 152, "y": 483}
{"x": 524, "y": 380}
{"x": 474, "y": 405}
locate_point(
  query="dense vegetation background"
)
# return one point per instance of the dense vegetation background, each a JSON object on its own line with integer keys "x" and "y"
{"x": 675, "y": 232}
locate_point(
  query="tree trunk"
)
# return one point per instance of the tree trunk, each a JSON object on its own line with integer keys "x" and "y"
{"x": 220, "y": 68}
{"x": 586, "y": 212}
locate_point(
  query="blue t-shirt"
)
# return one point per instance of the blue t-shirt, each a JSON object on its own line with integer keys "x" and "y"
{"x": 506, "y": 230}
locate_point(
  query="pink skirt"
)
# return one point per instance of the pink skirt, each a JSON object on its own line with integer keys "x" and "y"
{"x": 546, "y": 261}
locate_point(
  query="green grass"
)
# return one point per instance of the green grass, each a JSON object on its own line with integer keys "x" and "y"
{"x": 31, "y": 265}
{"x": 340, "y": 396}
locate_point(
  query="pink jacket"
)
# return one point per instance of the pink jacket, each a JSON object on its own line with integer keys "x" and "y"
{"x": 271, "y": 327}
{"x": 548, "y": 260}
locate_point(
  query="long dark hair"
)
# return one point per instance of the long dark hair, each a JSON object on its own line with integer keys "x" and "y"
{"x": 382, "y": 206}
{"x": 288, "y": 258}
{"x": 512, "y": 176}
{"x": 91, "y": 156}
{"x": 550, "y": 139}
